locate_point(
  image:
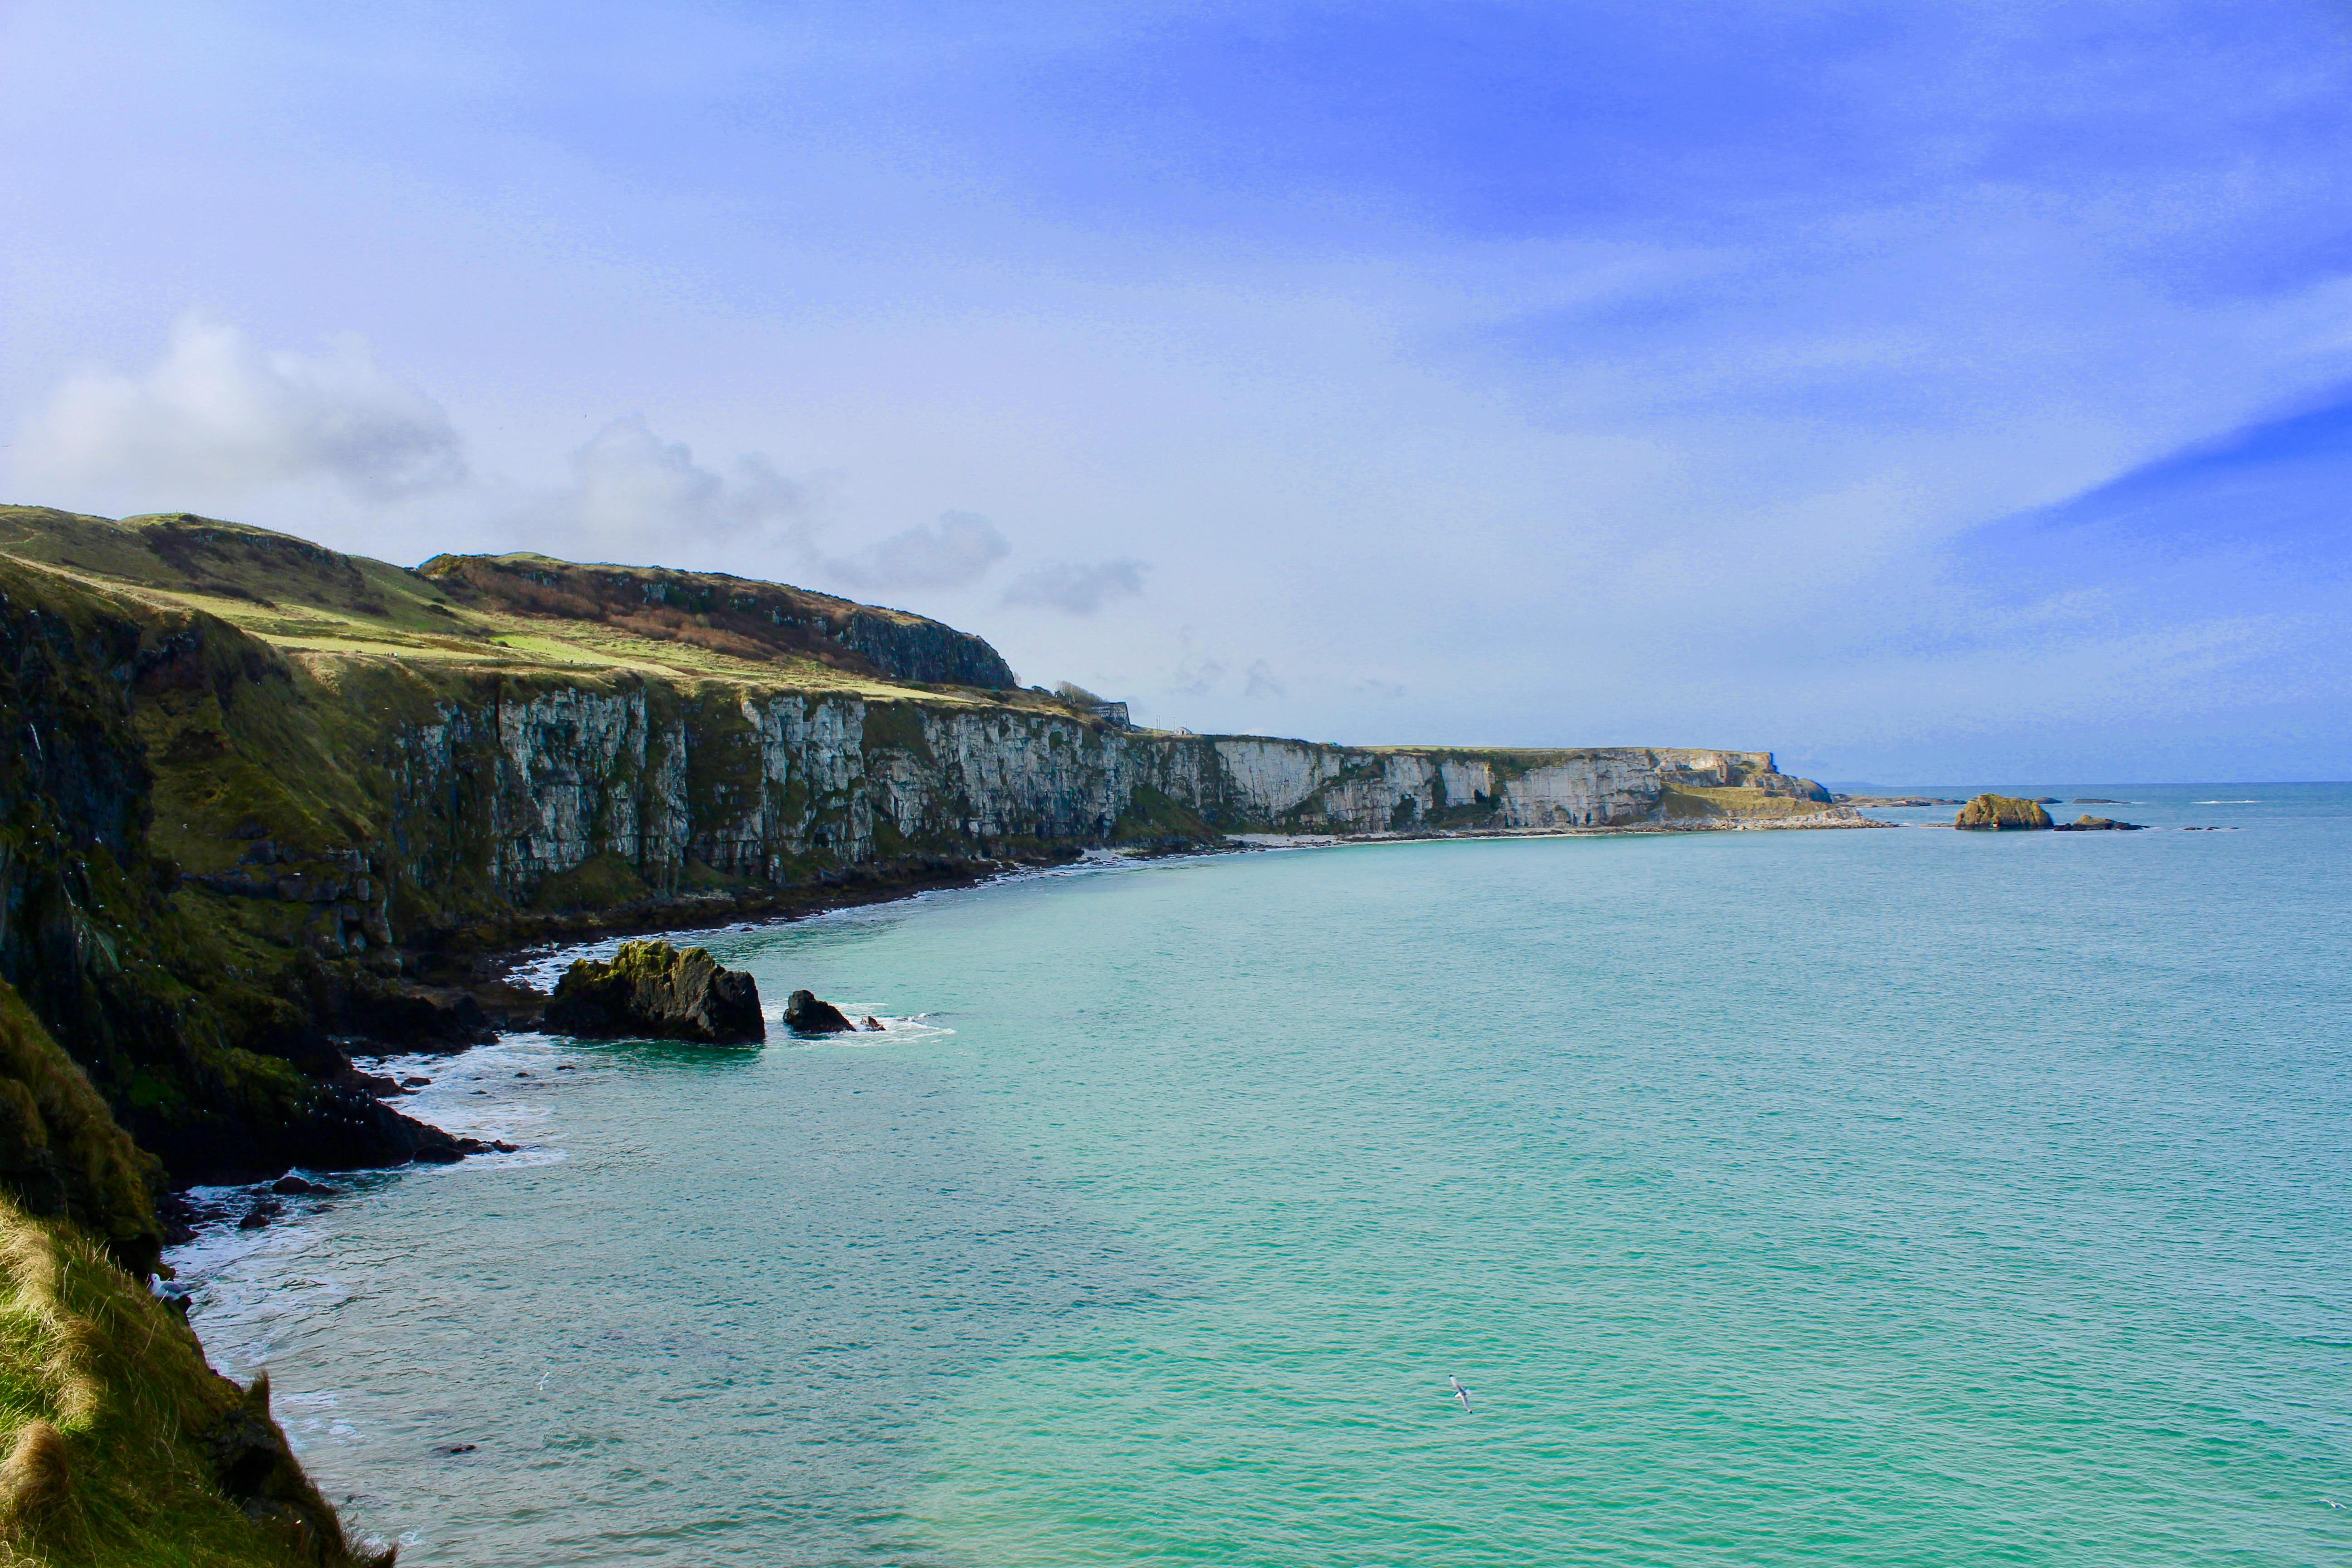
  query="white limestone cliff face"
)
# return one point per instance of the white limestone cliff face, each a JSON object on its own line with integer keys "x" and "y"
{"x": 781, "y": 787}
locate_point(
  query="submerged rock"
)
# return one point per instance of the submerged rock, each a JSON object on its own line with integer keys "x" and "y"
{"x": 650, "y": 990}
{"x": 803, "y": 1014}
{"x": 1997, "y": 813}
{"x": 2089, "y": 824}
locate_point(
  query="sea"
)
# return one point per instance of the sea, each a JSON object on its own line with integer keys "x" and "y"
{"x": 1903, "y": 1197}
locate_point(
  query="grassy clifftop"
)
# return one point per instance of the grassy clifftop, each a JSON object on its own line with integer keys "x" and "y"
{"x": 510, "y": 613}
{"x": 124, "y": 1450}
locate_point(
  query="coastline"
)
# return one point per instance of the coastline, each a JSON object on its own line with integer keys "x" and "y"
{"x": 488, "y": 960}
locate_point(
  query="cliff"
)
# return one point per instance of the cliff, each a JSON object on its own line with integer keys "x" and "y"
{"x": 266, "y": 788}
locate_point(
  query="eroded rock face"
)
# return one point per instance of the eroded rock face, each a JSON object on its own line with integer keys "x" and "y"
{"x": 2002, "y": 812}
{"x": 650, "y": 990}
{"x": 547, "y": 782}
{"x": 803, "y": 1014}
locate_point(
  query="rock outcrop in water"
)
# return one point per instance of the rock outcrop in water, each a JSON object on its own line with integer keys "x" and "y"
{"x": 2002, "y": 812}
{"x": 2089, "y": 824}
{"x": 650, "y": 990}
{"x": 803, "y": 1014}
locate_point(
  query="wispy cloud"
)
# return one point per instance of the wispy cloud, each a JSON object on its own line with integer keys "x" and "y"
{"x": 218, "y": 417}
{"x": 1079, "y": 590}
{"x": 957, "y": 550}
{"x": 635, "y": 492}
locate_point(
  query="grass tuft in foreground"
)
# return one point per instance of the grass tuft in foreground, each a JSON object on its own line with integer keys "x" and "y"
{"x": 124, "y": 1450}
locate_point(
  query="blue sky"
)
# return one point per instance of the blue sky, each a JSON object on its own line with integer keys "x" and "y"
{"x": 1928, "y": 393}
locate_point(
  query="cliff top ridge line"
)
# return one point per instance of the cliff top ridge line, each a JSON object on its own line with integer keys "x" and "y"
{"x": 500, "y": 613}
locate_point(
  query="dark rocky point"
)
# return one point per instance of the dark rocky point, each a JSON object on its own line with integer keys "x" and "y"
{"x": 804, "y": 1014}
{"x": 2002, "y": 812}
{"x": 870, "y": 1022}
{"x": 2088, "y": 824}
{"x": 423, "y": 1018}
{"x": 650, "y": 990}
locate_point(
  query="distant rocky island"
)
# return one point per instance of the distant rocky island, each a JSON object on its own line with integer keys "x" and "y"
{"x": 2002, "y": 813}
{"x": 264, "y": 803}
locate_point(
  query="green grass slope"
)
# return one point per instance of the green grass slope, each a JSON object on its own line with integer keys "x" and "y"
{"x": 124, "y": 1450}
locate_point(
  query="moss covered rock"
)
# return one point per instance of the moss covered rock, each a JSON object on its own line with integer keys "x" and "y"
{"x": 1997, "y": 813}
{"x": 650, "y": 990}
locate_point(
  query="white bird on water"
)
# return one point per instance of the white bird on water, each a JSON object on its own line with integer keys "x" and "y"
{"x": 1460, "y": 1392}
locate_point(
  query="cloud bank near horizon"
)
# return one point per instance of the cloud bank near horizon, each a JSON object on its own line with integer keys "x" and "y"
{"x": 1922, "y": 392}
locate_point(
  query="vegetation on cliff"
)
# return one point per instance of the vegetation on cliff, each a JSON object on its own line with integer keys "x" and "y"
{"x": 148, "y": 741}
{"x": 124, "y": 1449}
{"x": 62, "y": 1154}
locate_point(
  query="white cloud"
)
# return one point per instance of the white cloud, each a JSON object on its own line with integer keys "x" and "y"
{"x": 217, "y": 415}
{"x": 632, "y": 492}
{"x": 959, "y": 549}
{"x": 1080, "y": 590}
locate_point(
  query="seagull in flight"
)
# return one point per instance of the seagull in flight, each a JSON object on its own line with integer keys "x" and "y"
{"x": 1460, "y": 1392}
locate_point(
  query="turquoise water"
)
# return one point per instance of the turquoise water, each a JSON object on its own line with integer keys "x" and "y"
{"x": 1865, "y": 1197}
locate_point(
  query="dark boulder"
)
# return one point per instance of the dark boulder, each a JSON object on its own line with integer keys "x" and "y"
{"x": 650, "y": 990}
{"x": 2088, "y": 824}
{"x": 421, "y": 1017}
{"x": 296, "y": 1187}
{"x": 804, "y": 1014}
{"x": 870, "y": 1022}
{"x": 2001, "y": 813}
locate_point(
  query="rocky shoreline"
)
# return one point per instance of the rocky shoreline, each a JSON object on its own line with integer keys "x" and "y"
{"x": 469, "y": 978}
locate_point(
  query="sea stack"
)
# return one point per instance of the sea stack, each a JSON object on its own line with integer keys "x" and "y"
{"x": 2002, "y": 812}
{"x": 650, "y": 990}
{"x": 803, "y": 1014}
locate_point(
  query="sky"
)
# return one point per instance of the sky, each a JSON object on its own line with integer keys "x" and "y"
{"x": 1926, "y": 392}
